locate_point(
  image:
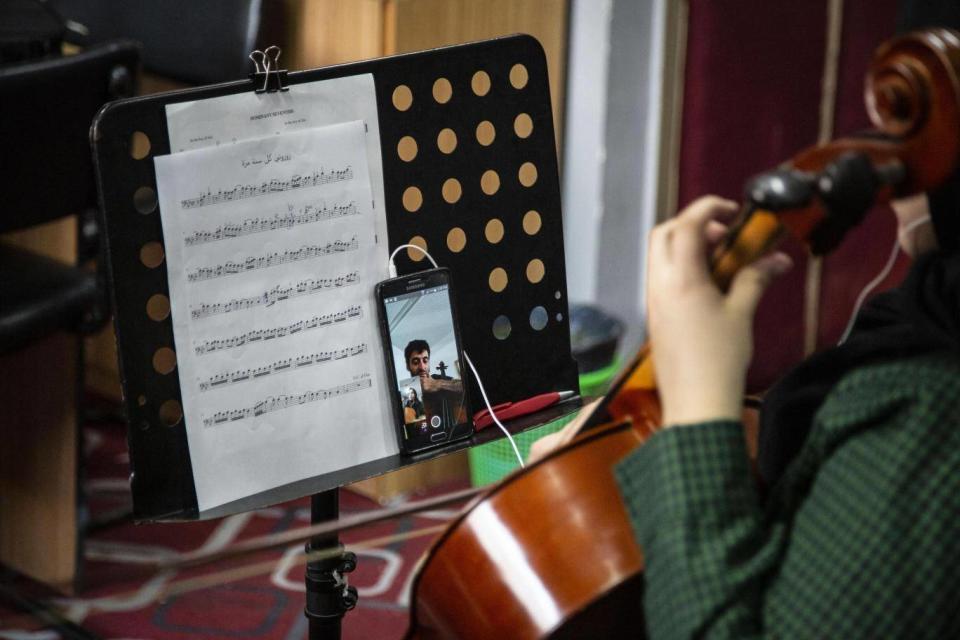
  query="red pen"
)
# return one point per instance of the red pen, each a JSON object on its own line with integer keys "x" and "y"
{"x": 510, "y": 410}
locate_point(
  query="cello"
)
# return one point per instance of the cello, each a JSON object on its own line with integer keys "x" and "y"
{"x": 574, "y": 570}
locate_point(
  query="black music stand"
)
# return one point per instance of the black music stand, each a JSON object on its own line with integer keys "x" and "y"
{"x": 500, "y": 112}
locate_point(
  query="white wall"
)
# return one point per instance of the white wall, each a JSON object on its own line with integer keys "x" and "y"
{"x": 584, "y": 147}
{"x": 612, "y": 139}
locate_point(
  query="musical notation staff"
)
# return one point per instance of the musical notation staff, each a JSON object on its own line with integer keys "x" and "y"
{"x": 243, "y": 191}
{"x": 280, "y": 366}
{"x": 276, "y": 294}
{"x": 279, "y": 403}
{"x": 251, "y": 263}
{"x": 258, "y": 335}
{"x": 307, "y": 215}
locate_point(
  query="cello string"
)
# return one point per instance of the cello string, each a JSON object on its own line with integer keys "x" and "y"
{"x": 300, "y": 534}
{"x": 236, "y": 574}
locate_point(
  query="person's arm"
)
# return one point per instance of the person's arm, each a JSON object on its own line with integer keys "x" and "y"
{"x": 854, "y": 541}
{"x": 693, "y": 502}
{"x": 701, "y": 337}
{"x": 690, "y": 490}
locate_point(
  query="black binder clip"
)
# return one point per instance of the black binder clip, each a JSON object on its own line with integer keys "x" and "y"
{"x": 267, "y": 63}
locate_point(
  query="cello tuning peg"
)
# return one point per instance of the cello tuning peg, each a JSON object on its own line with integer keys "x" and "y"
{"x": 781, "y": 189}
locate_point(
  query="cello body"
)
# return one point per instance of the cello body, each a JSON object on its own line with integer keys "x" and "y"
{"x": 547, "y": 553}
{"x": 570, "y": 572}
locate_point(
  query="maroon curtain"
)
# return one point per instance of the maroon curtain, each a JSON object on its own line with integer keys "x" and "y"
{"x": 866, "y": 23}
{"x": 751, "y": 100}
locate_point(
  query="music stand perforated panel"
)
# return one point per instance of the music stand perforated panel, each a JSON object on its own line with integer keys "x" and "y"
{"x": 488, "y": 208}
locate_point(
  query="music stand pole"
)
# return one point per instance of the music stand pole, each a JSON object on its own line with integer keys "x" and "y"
{"x": 328, "y": 595}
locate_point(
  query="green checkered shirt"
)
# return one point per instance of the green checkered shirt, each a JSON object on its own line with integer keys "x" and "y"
{"x": 859, "y": 539}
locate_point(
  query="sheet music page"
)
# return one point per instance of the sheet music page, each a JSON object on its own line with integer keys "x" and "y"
{"x": 241, "y": 116}
{"x": 272, "y": 257}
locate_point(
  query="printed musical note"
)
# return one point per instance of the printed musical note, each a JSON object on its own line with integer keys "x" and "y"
{"x": 307, "y": 215}
{"x": 280, "y": 366}
{"x": 278, "y": 403}
{"x": 258, "y": 335}
{"x": 272, "y": 296}
{"x": 251, "y": 263}
{"x": 243, "y": 191}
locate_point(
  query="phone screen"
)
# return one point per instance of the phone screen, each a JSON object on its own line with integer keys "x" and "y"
{"x": 424, "y": 349}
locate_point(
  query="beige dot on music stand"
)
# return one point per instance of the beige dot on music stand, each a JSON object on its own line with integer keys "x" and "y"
{"x": 407, "y": 148}
{"x": 498, "y": 280}
{"x": 164, "y": 360}
{"x": 518, "y": 76}
{"x": 535, "y": 270}
{"x": 531, "y": 223}
{"x": 442, "y": 90}
{"x": 527, "y": 174}
{"x": 493, "y": 231}
{"x": 490, "y": 182}
{"x": 412, "y": 199}
{"x": 152, "y": 254}
{"x": 402, "y": 97}
{"x": 413, "y": 254}
{"x": 446, "y": 140}
{"x": 158, "y": 307}
{"x": 452, "y": 190}
{"x": 486, "y": 133}
{"x": 456, "y": 240}
{"x": 139, "y": 145}
{"x": 523, "y": 125}
{"x": 480, "y": 83}
{"x": 171, "y": 413}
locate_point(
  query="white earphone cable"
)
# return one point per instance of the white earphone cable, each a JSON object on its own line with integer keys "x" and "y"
{"x": 879, "y": 278}
{"x": 490, "y": 409}
{"x": 392, "y": 268}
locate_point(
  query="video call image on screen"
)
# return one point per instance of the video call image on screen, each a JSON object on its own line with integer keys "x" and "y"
{"x": 426, "y": 363}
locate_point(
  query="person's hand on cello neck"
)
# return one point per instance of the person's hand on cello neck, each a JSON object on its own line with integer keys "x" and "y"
{"x": 701, "y": 337}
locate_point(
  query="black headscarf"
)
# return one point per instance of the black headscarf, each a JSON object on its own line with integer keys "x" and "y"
{"x": 922, "y": 315}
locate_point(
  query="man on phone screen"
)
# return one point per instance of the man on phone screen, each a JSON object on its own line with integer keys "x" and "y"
{"x": 442, "y": 394}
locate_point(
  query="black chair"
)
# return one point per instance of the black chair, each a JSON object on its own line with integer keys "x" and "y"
{"x": 193, "y": 42}
{"x": 46, "y": 173}
{"x": 46, "y": 108}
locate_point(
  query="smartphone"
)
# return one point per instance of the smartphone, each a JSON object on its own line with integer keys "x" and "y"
{"x": 425, "y": 366}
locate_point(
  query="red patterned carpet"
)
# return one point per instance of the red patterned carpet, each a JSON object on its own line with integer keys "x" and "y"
{"x": 122, "y": 598}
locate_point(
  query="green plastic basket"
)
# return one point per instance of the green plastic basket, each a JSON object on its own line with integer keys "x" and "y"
{"x": 595, "y": 383}
{"x": 492, "y": 461}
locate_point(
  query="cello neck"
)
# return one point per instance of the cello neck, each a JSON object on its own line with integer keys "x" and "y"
{"x": 757, "y": 233}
